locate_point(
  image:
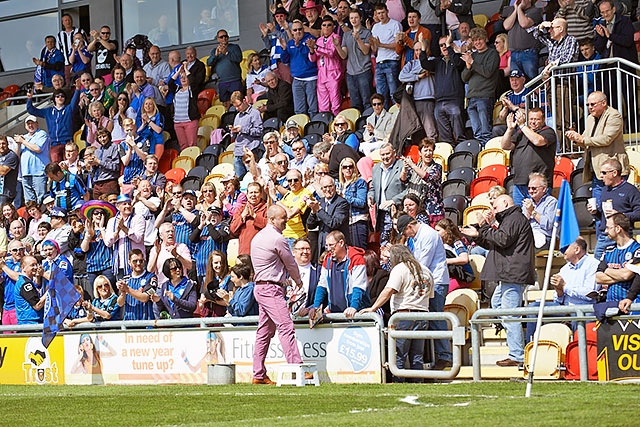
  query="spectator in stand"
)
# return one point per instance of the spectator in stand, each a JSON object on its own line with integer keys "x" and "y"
{"x": 534, "y": 149}
{"x": 232, "y": 199}
{"x": 324, "y": 53}
{"x": 151, "y": 173}
{"x": 33, "y": 149}
{"x": 579, "y": 15}
{"x": 178, "y": 295}
{"x": 60, "y": 231}
{"x": 296, "y": 53}
{"x": 163, "y": 34}
{"x": 342, "y": 133}
{"x": 279, "y": 98}
{"x": 135, "y": 293}
{"x": 333, "y": 154}
{"x": 79, "y": 57}
{"x": 29, "y": 293}
{"x": 133, "y": 152}
{"x": 618, "y": 196}
{"x": 105, "y": 302}
{"x": 65, "y": 41}
{"x": 424, "y": 180}
{"x": 247, "y": 131}
{"x": 72, "y": 162}
{"x": 242, "y": 303}
{"x": 302, "y": 161}
{"x": 99, "y": 258}
{"x": 256, "y": 73}
{"x": 513, "y": 100}
{"x": 611, "y": 275}
{"x": 295, "y": 205}
{"x": 126, "y": 61}
{"x": 68, "y": 190}
{"x": 184, "y": 111}
{"x": 449, "y": 92}
{"x": 430, "y": 21}
{"x": 140, "y": 90}
{"x": 589, "y": 53}
{"x": 106, "y": 164}
{"x": 37, "y": 217}
{"x": 405, "y": 43}
{"x": 602, "y": 140}
{"x": 377, "y": 278}
{"x": 342, "y": 287}
{"x": 106, "y": 51}
{"x": 209, "y": 304}
{"x": 59, "y": 119}
{"x": 356, "y": 49}
{"x": 183, "y": 212}
{"x": 378, "y": 127}
{"x": 463, "y": 41}
{"x": 158, "y": 70}
{"x": 96, "y": 121}
{"x": 197, "y": 71}
{"x": 412, "y": 206}
{"x": 518, "y": 19}
{"x": 386, "y": 189}
{"x": 423, "y": 91}
{"x": 116, "y": 87}
{"x": 354, "y": 190}
{"x": 210, "y": 233}
{"x": 248, "y": 220}
{"x": 147, "y": 205}
{"x": 225, "y": 61}
{"x": 329, "y": 213}
{"x": 453, "y": 14}
{"x": 51, "y": 63}
{"x": 481, "y": 75}
{"x": 409, "y": 287}
{"x": 312, "y": 21}
{"x": 309, "y": 272}
{"x": 123, "y": 233}
{"x": 540, "y": 210}
{"x": 272, "y": 32}
{"x": 166, "y": 247}
{"x": 383, "y": 42}
{"x": 457, "y": 254}
{"x": 502, "y": 47}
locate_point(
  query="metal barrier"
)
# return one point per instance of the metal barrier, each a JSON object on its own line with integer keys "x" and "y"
{"x": 17, "y": 119}
{"x": 563, "y": 97}
{"x": 456, "y": 335}
{"x": 581, "y": 315}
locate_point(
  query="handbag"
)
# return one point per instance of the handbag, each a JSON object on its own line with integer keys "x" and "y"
{"x": 457, "y": 271}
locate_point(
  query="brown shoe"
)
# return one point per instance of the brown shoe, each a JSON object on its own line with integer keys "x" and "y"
{"x": 441, "y": 364}
{"x": 507, "y": 362}
{"x": 308, "y": 375}
{"x": 264, "y": 380}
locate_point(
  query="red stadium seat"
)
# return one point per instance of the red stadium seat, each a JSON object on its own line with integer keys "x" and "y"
{"x": 205, "y": 99}
{"x": 482, "y": 185}
{"x": 175, "y": 175}
{"x": 564, "y": 165}
{"x": 167, "y": 159}
{"x": 499, "y": 172}
{"x": 558, "y": 176}
{"x": 12, "y": 89}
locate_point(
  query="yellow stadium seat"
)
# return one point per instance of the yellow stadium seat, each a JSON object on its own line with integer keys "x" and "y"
{"x": 192, "y": 152}
{"x": 223, "y": 169}
{"x": 77, "y": 138}
{"x": 633, "y": 175}
{"x": 183, "y": 162}
{"x": 552, "y": 347}
{"x": 205, "y": 131}
{"x": 259, "y": 102}
{"x": 477, "y": 263}
{"x": 227, "y": 157}
{"x": 232, "y": 252}
{"x": 210, "y": 120}
{"x": 394, "y": 109}
{"x": 352, "y": 114}
{"x": 481, "y": 199}
{"x": 443, "y": 149}
{"x": 217, "y": 110}
{"x": 300, "y": 119}
{"x": 441, "y": 161}
{"x": 207, "y": 67}
{"x": 480, "y": 20}
{"x": 469, "y": 215}
{"x": 634, "y": 157}
{"x": 165, "y": 136}
{"x": 492, "y": 156}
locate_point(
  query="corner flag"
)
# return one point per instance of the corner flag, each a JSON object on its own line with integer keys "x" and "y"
{"x": 61, "y": 297}
{"x": 566, "y": 216}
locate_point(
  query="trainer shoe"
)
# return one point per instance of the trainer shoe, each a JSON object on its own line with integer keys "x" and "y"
{"x": 508, "y": 362}
{"x": 442, "y": 364}
{"x": 264, "y": 380}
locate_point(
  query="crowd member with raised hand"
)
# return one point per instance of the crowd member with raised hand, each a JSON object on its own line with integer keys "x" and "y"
{"x": 178, "y": 295}
{"x": 147, "y": 205}
{"x": 225, "y": 61}
{"x": 99, "y": 258}
{"x": 249, "y": 219}
{"x": 105, "y": 164}
{"x": 134, "y": 298}
{"x": 10, "y": 268}
{"x": 272, "y": 32}
{"x": 166, "y": 247}
{"x": 133, "y": 153}
{"x": 406, "y": 42}
{"x": 29, "y": 293}
{"x": 312, "y": 10}
{"x": 51, "y": 63}
{"x": 124, "y": 232}
{"x": 96, "y": 121}
{"x": 184, "y": 110}
{"x": 209, "y": 233}
{"x": 79, "y": 57}
{"x": 67, "y": 190}
{"x": 106, "y": 51}
{"x": 59, "y": 118}
{"x": 255, "y": 81}
{"x": 60, "y": 230}
{"x": 52, "y": 257}
{"x": 329, "y": 213}
{"x": 195, "y": 68}
{"x": 183, "y": 212}
{"x": 324, "y": 52}
{"x": 150, "y": 123}
{"x": 33, "y": 150}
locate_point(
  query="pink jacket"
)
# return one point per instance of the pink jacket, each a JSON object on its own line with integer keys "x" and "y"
{"x": 330, "y": 65}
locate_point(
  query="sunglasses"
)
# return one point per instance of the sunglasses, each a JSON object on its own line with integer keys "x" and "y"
{"x": 606, "y": 172}
{"x": 297, "y": 149}
{"x": 442, "y": 44}
{"x": 321, "y": 173}
{"x": 175, "y": 268}
{"x": 105, "y": 32}
{"x": 137, "y": 261}
{"x": 293, "y": 180}
{"x": 98, "y": 213}
{"x": 339, "y": 124}
{"x": 376, "y": 104}
{"x": 295, "y": 30}
{"x": 122, "y": 99}
{"x": 282, "y": 162}
{"x": 60, "y": 96}
{"x": 327, "y": 25}
{"x": 593, "y": 104}
{"x": 223, "y": 37}
{"x": 94, "y": 90}
{"x": 207, "y": 191}
{"x": 347, "y": 167}
{"x": 15, "y": 250}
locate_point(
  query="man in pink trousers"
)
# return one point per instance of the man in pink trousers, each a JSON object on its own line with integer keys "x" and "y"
{"x": 330, "y": 67}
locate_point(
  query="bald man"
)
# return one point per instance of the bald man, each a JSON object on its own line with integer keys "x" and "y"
{"x": 272, "y": 260}
{"x": 509, "y": 263}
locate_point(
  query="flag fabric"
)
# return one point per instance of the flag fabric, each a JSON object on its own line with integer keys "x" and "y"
{"x": 407, "y": 125}
{"x": 61, "y": 297}
{"x": 566, "y": 216}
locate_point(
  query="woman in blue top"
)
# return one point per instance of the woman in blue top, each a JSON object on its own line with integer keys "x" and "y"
{"x": 105, "y": 304}
{"x": 150, "y": 126}
{"x": 354, "y": 189}
{"x": 243, "y": 302}
{"x": 177, "y": 296}
{"x": 457, "y": 253}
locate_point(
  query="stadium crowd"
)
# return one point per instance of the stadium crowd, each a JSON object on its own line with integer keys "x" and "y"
{"x": 143, "y": 244}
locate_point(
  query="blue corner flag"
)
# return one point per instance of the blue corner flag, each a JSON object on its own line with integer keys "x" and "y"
{"x": 566, "y": 216}
{"x": 61, "y": 297}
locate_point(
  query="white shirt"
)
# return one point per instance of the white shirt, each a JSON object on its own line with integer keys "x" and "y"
{"x": 386, "y": 33}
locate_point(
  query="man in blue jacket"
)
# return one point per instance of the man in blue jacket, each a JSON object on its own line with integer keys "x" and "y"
{"x": 51, "y": 62}
{"x": 305, "y": 72}
{"x": 225, "y": 62}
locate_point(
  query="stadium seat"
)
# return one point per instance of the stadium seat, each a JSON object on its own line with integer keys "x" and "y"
{"x": 469, "y": 214}
{"x": 585, "y": 219}
{"x": 482, "y": 184}
{"x": 175, "y": 175}
{"x": 208, "y": 70}
{"x": 192, "y": 183}
{"x": 227, "y": 119}
{"x": 466, "y": 174}
{"x": 460, "y": 159}
{"x": 580, "y": 164}
{"x": 454, "y": 187}
{"x": 458, "y": 202}
{"x": 223, "y": 169}
{"x": 202, "y": 142}
{"x": 584, "y": 190}
{"x": 442, "y": 162}
{"x": 166, "y": 160}
{"x": 272, "y": 124}
{"x": 207, "y": 160}
{"x": 351, "y": 113}
{"x": 471, "y": 145}
{"x": 316, "y": 126}
{"x": 213, "y": 149}
{"x": 558, "y": 176}
{"x": 77, "y": 138}
{"x": 300, "y": 119}
{"x": 165, "y": 136}
{"x": 259, "y": 103}
{"x": 232, "y": 252}
{"x": 413, "y": 152}
{"x": 226, "y": 157}
{"x": 497, "y": 171}
{"x": 325, "y": 117}
{"x": 564, "y": 165}
{"x": 495, "y": 142}
{"x": 443, "y": 149}
{"x": 477, "y": 263}
{"x": 554, "y": 339}
{"x": 393, "y": 109}
{"x": 205, "y": 131}
{"x": 480, "y": 20}
{"x": 210, "y": 120}
{"x": 199, "y": 171}
{"x": 634, "y": 157}
{"x": 217, "y": 110}
{"x": 576, "y": 179}
{"x": 508, "y": 184}
{"x": 454, "y": 215}
{"x": 492, "y": 156}
{"x": 183, "y": 162}
{"x": 192, "y": 152}
{"x": 633, "y": 175}
{"x": 481, "y": 199}
{"x": 312, "y": 139}
{"x": 361, "y": 123}
{"x": 205, "y": 99}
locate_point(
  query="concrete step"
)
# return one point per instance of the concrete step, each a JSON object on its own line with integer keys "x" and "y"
{"x": 492, "y": 372}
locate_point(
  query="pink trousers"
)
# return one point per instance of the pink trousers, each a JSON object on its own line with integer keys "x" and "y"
{"x": 329, "y": 98}
{"x": 187, "y": 133}
{"x": 274, "y": 314}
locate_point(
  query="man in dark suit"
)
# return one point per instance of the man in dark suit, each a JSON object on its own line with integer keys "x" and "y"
{"x": 386, "y": 189}
{"x": 328, "y": 214}
{"x": 197, "y": 70}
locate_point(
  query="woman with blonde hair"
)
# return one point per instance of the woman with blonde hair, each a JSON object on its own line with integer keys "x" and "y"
{"x": 502, "y": 47}
{"x": 150, "y": 125}
{"x": 354, "y": 189}
{"x": 105, "y": 302}
{"x": 97, "y": 120}
{"x": 256, "y": 73}
{"x": 209, "y": 197}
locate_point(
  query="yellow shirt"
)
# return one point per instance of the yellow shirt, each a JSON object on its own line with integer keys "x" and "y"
{"x": 296, "y": 228}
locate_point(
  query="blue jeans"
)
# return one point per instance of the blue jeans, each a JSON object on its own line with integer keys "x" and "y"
{"x": 480, "y": 111}
{"x": 414, "y": 349}
{"x": 360, "y": 90}
{"x": 34, "y": 187}
{"x": 525, "y": 61}
{"x": 450, "y": 121}
{"x": 387, "y": 80}
{"x": 602, "y": 241}
{"x": 520, "y": 192}
{"x": 305, "y": 97}
{"x": 509, "y": 295}
{"x": 359, "y": 233}
{"x": 436, "y": 304}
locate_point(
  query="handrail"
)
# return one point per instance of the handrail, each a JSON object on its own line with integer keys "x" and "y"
{"x": 583, "y": 314}
{"x": 18, "y": 117}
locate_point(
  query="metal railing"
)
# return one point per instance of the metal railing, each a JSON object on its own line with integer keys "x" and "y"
{"x": 456, "y": 334}
{"x": 41, "y": 97}
{"x": 563, "y": 97}
{"x": 581, "y": 314}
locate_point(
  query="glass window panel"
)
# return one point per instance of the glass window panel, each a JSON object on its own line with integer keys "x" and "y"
{"x": 23, "y": 39}
{"x": 201, "y": 19}
{"x": 156, "y": 19}
{"x": 15, "y": 7}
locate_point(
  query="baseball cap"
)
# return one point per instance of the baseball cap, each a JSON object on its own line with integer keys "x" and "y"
{"x": 292, "y": 124}
{"x": 516, "y": 73}
{"x": 30, "y": 118}
{"x": 228, "y": 178}
{"x": 58, "y": 212}
{"x": 48, "y": 200}
{"x": 215, "y": 210}
{"x": 190, "y": 193}
{"x": 123, "y": 198}
{"x": 403, "y": 222}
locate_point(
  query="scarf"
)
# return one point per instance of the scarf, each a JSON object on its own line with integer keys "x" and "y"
{"x": 116, "y": 245}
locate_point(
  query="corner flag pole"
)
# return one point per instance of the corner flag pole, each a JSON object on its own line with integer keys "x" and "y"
{"x": 545, "y": 286}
